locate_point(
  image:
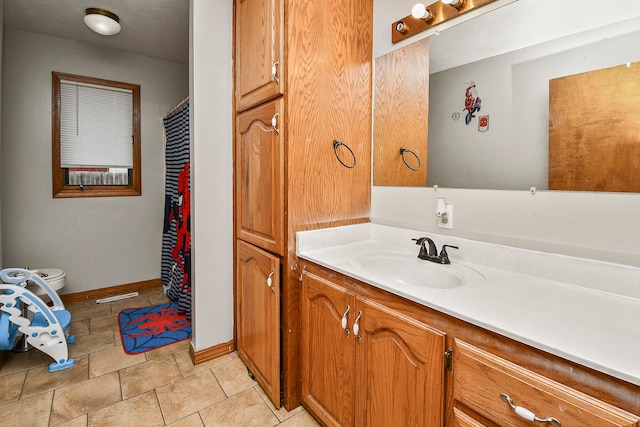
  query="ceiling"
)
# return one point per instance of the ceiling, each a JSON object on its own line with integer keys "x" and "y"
{"x": 156, "y": 28}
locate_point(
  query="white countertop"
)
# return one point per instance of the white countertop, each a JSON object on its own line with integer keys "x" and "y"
{"x": 583, "y": 310}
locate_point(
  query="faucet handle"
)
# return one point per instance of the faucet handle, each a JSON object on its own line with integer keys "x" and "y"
{"x": 444, "y": 256}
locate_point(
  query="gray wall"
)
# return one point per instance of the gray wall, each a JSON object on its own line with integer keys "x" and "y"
{"x": 514, "y": 88}
{"x": 102, "y": 241}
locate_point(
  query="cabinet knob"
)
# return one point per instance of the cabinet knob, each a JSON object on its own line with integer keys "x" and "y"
{"x": 527, "y": 414}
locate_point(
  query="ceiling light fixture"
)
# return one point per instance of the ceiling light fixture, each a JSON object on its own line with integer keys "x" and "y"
{"x": 102, "y": 21}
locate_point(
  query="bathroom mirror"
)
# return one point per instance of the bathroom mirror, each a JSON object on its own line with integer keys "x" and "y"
{"x": 505, "y": 145}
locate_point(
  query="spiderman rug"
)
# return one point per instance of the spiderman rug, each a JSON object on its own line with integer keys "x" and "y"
{"x": 144, "y": 329}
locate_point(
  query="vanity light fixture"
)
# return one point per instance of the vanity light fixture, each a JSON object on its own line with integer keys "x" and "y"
{"x": 102, "y": 21}
{"x": 426, "y": 17}
{"x": 420, "y": 11}
{"x": 458, "y": 4}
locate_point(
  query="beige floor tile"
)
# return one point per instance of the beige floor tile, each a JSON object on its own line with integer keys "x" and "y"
{"x": 192, "y": 420}
{"x": 91, "y": 343}
{"x": 281, "y": 413}
{"x": 81, "y": 398}
{"x": 105, "y": 322}
{"x": 32, "y": 411}
{"x": 245, "y": 409}
{"x": 140, "y": 411}
{"x": 40, "y": 379}
{"x": 80, "y": 327}
{"x": 148, "y": 376}
{"x": 233, "y": 377}
{"x": 87, "y": 309}
{"x": 141, "y": 300}
{"x": 112, "y": 359}
{"x": 157, "y": 297}
{"x": 17, "y": 362}
{"x": 80, "y": 421}
{"x": 188, "y": 368}
{"x": 189, "y": 395}
{"x": 12, "y": 386}
{"x": 302, "y": 419}
{"x": 180, "y": 346}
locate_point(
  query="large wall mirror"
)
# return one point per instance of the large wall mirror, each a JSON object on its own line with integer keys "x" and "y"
{"x": 504, "y": 144}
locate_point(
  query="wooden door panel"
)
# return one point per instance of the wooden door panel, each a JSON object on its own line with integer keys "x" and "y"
{"x": 258, "y": 316}
{"x": 259, "y": 44}
{"x": 400, "y": 369}
{"x": 327, "y": 351}
{"x": 260, "y": 177}
{"x": 401, "y": 116}
{"x": 328, "y": 99}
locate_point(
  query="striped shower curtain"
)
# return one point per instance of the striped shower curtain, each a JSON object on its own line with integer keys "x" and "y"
{"x": 176, "y": 237}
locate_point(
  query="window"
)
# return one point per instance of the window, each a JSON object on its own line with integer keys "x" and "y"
{"x": 95, "y": 137}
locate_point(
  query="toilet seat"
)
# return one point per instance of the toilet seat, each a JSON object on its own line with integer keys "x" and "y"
{"x": 54, "y": 277}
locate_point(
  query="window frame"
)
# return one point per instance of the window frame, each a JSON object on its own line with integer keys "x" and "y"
{"x": 60, "y": 190}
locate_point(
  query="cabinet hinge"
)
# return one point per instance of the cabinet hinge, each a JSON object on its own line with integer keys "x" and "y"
{"x": 448, "y": 358}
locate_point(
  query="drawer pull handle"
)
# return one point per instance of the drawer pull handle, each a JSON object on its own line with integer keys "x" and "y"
{"x": 356, "y": 327}
{"x": 270, "y": 281}
{"x": 344, "y": 320}
{"x": 527, "y": 414}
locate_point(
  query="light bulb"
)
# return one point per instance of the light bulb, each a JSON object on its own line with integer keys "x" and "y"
{"x": 455, "y": 3}
{"x": 419, "y": 11}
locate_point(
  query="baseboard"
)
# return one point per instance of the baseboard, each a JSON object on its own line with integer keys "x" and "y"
{"x": 211, "y": 352}
{"x": 110, "y": 291}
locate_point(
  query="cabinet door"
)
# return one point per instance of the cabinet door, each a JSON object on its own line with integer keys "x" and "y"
{"x": 259, "y": 180}
{"x": 400, "y": 369}
{"x": 258, "y": 53}
{"x": 327, "y": 351}
{"x": 258, "y": 316}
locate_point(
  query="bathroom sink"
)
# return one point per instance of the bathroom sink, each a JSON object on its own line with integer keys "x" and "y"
{"x": 408, "y": 269}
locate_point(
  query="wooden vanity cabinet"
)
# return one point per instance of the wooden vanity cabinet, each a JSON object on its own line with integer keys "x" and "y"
{"x": 396, "y": 373}
{"x": 490, "y": 385}
{"x": 366, "y": 364}
{"x": 302, "y": 146}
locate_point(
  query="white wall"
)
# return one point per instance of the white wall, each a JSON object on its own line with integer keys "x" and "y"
{"x": 102, "y": 241}
{"x": 599, "y": 225}
{"x": 212, "y": 171}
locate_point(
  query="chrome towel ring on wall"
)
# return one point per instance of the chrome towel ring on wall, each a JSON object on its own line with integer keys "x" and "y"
{"x": 337, "y": 144}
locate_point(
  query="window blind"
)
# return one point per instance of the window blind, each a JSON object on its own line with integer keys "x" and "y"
{"x": 96, "y": 126}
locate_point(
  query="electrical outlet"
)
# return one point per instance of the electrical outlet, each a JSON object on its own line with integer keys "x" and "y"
{"x": 449, "y": 218}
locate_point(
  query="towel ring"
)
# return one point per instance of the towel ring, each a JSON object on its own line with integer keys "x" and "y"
{"x": 337, "y": 144}
{"x": 406, "y": 150}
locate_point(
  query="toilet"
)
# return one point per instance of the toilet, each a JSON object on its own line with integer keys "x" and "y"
{"x": 55, "y": 278}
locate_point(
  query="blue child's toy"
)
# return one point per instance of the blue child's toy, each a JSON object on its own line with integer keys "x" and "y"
{"x": 45, "y": 328}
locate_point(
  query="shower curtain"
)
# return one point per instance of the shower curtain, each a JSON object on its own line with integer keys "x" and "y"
{"x": 176, "y": 237}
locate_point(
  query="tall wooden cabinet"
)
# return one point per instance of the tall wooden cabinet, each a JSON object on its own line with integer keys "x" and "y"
{"x": 302, "y": 147}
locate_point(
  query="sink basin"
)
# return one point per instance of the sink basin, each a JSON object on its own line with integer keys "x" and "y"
{"x": 408, "y": 269}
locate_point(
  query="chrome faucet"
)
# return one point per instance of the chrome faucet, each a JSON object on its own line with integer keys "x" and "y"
{"x": 431, "y": 254}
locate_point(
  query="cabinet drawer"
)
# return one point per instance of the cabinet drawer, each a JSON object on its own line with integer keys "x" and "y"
{"x": 479, "y": 379}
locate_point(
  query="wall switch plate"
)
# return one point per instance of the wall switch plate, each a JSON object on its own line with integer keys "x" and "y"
{"x": 449, "y": 223}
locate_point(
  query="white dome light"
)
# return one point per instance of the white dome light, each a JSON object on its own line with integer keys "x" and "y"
{"x": 102, "y": 21}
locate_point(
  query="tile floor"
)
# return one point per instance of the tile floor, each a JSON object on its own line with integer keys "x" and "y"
{"x": 107, "y": 387}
